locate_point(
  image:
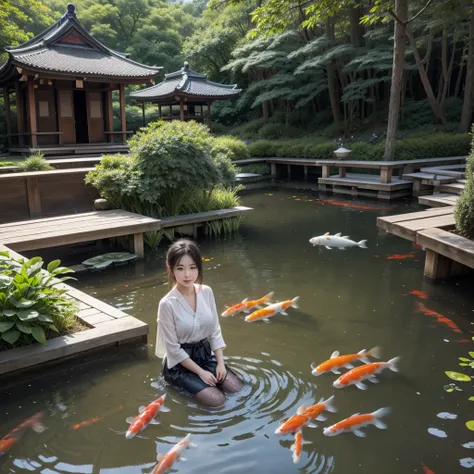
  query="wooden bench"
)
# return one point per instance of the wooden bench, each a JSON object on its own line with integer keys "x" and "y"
{"x": 447, "y": 254}
{"x": 406, "y": 226}
{"x": 76, "y": 228}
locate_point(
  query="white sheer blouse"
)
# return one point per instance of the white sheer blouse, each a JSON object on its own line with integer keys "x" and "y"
{"x": 179, "y": 324}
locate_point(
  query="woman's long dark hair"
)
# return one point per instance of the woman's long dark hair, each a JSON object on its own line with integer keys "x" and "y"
{"x": 177, "y": 251}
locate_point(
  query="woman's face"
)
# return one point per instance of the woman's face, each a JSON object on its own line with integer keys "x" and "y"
{"x": 186, "y": 272}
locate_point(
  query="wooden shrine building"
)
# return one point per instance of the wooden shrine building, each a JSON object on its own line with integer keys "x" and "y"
{"x": 62, "y": 81}
{"x": 189, "y": 90}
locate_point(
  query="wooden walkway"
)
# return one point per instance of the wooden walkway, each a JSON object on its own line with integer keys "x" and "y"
{"x": 75, "y": 228}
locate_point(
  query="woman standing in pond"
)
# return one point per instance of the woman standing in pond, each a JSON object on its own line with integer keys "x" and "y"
{"x": 189, "y": 334}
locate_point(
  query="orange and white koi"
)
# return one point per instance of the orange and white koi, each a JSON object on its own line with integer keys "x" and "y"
{"x": 246, "y": 305}
{"x": 146, "y": 417}
{"x": 304, "y": 417}
{"x": 93, "y": 420}
{"x": 8, "y": 441}
{"x": 357, "y": 421}
{"x": 271, "y": 310}
{"x": 166, "y": 461}
{"x": 337, "y": 361}
{"x": 365, "y": 372}
{"x": 297, "y": 446}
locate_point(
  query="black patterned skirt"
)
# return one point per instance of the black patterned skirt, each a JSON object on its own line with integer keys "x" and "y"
{"x": 200, "y": 353}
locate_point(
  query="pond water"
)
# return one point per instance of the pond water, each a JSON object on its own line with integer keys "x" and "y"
{"x": 349, "y": 300}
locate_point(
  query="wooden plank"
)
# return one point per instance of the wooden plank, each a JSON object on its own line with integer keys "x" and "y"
{"x": 367, "y": 183}
{"x": 27, "y": 174}
{"x": 204, "y": 216}
{"x": 446, "y": 243}
{"x": 103, "y": 335}
{"x": 410, "y": 216}
{"x": 409, "y": 229}
{"x": 438, "y": 200}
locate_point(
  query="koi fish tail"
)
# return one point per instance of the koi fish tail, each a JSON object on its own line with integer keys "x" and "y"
{"x": 374, "y": 352}
{"x": 362, "y": 243}
{"x": 392, "y": 364}
{"x": 329, "y": 404}
{"x": 294, "y": 302}
{"x": 268, "y": 298}
{"x": 381, "y": 412}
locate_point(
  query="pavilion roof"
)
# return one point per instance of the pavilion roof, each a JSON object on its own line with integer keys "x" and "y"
{"x": 66, "y": 48}
{"x": 187, "y": 83}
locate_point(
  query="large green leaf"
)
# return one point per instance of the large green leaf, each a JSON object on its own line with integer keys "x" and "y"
{"x": 9, "y": 313}
{"x": 38, "y": 334}
{"x": 22, "y": 304}
{"x": 25, "y": 328}
{"x": 53, "y": 265}
{"x": 458, "y": 377}
{"x": 45, "y": 318}
{"x": 28, "y": 315}
{"x": 5, "y": 280}
{"x": 11, "y": 336}
{"x": 470, "y": 424}
{"x": 6, "y": 325}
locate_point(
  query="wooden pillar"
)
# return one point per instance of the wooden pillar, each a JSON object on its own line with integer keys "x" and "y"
{"x": 288, "y": 167}
{"x": 34, "y": 197}
{"x": 159, "y": 110}
{"x": 273, "y": 172}
{"x": 386, "y": 175}
{"x": 209, "y": 114}
{"x": 181, "y": 109}
{"x": 32, "y": 108}
{"x": 138, "y": 245}
{"x": 19, "y": 113}
{"x": 436, "y": 266}
{"x": 305, "y": 168}
{"x": 123, "y": 121}
{"x": 110, "y": 116}
{"x": 8, "y": 123}
{"x": 171, "y": 112}
{"x": 326, "y": 170}
{"x": 342, "y": 172}
{"x": 143, "y": 114}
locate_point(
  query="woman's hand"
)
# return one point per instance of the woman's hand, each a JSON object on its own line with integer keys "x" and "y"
{"x": 207, "y": 378}
{"x": 221, "y": 372}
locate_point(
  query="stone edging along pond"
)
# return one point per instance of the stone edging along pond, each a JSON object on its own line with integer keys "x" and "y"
{"x": 108, "y": 326}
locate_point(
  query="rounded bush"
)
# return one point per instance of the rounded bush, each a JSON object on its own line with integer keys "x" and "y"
{"x": 231, "y": 147}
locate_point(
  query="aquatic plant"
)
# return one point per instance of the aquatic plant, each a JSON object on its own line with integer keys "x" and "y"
{"x": 32, "y": 304}
{"x": 465, "y": 362}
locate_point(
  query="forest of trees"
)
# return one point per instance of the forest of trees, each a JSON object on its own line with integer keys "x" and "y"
{"x": 304, "y": 64}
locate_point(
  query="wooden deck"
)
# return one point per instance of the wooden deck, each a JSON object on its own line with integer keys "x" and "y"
{"x": 87, "y": 148}
{"x": 108, "y": 327}
{"x": 75, "y": 228}
{"x": 439, "y": 200}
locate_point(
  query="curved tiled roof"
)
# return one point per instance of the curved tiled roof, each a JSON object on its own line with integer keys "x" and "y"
{"x": 67, "y": 48}
{"x": 186, "y": 82}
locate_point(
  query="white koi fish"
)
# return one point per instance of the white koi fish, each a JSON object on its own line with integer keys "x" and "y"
{"x": 166, "y": 461}
{"x": 338, "y": 241}
{"x": 354, "y": 423}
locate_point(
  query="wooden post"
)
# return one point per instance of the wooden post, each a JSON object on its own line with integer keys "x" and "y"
{"x": 143, "y": 114}
{"x": 386, "y": 174}
{"x": 436, "y": 266}
{"x": 110, "y": 116}
{"x": 8, "y": 123}
{"x": 138, "y": 245}
{"x": 288, "y": 167}
{"x": 305, "y": 168}
{"x": 19, "y": 113}
{"x": 32, "y": 108}
{"x": 181, "y": 109}
{"x": 209, "y": 114}
{"x": 273, "y": 171}
{"x": 34, "y": 197}
{"x": 342, "y": 172}
{"x": 171, "y": 112}
{"x": 326, "y": 171}
{"x": 122, "y": 113}
{"x": 159, "y": 110}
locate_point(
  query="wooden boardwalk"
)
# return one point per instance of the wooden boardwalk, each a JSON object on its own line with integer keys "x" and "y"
{"x": 75, "y": 228}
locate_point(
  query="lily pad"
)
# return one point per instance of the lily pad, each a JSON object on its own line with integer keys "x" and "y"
{"x": 458, "y": 377}
{"x": 99, "y": 260}
{"x": 452, "y": 387}
{"x": 470, "y": 425}
{"x": 120, "y": 257}
{"x": 471, "y": 399}
{"x": 78, "y": 268}
{"x": 107, "y": 259}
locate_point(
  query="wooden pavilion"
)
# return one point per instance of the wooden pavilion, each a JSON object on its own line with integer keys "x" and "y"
{"x": 62, "y": 80}
{"x": 189, "y": 90}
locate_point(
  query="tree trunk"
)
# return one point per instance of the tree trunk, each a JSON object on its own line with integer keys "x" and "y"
{"x": 460, "y": 73}
{"x": 401, "y": 10}
{"x": 447, "y": 86}
{"x": 466, "y": 115}
{"x": 331, "y": 72}
{"x": 424, "y": 79}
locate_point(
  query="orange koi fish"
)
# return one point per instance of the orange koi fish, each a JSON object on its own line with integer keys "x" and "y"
{"x": 357, "y": 421}
{"x": 426, "y": 469}
{"x": 337, "y": 361}
{"x": 354, "y": 206}
{"x": 271, "y": 310}
{"x": 146, "y": 417}
{"x": 297, "y": 446}
{"x": 246, "y": 305}
{"x": 440, "y": 318}
{"x": 365, "y": 372}
{"x": 166, "y": 461}
{"x": 8, "y": 441}
{"x": 96, "y": 419}
{"x": 304, "y": 416}
{"x": 419, "y": 294}
{"x": 398, "y": 256}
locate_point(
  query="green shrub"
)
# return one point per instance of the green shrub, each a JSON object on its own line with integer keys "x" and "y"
{"x": 464, "y": 210}
{"x": 367, "y": 151}
{"x": 262, "y": 148}
{"x": 32, "y": 307}
{"x": 35, "y": 162}
{"x": 249, "y": 129}
{"x": 231, "y": 147}
{"x": 257, "y": 168}
{"x": 6, "y": 163}
{"x": 219, "y": 129}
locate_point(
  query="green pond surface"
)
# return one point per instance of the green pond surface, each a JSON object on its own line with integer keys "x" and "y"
{"x": 349, "y": 300}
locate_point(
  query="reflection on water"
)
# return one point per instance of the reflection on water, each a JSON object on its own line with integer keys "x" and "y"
{"x": 349, "y": 300}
